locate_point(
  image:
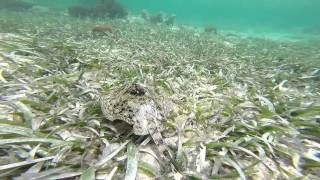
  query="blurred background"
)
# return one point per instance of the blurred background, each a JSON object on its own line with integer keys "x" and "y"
{"x": 248, "y": 16}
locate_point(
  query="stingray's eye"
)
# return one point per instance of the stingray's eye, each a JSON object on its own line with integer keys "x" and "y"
{"x": 137, "y": 90}
{"x": 167, "y": 154}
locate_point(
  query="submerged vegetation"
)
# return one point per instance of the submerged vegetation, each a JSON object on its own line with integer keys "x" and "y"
{"x": 210, "y": 29}
{"x": 241, "y": 107}
{"x": 15, "y": 5}
{"x": 158, "y": 18}
{"x": 104, "y": 8}
{"x": 103, "y": 29}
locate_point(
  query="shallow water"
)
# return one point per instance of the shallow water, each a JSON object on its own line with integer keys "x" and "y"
{"x": 230, "y": 102}
{"x": 249, "y": 16}
{"x": 286, "y": 19}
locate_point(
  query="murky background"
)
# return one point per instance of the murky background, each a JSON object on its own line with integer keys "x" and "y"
{"x": 264, "y": 17}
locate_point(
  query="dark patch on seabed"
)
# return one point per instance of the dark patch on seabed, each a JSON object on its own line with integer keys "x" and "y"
{"x": 143, "y": 89}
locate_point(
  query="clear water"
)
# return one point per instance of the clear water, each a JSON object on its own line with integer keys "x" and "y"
{"x": 255, "y": 95}
{"x": 247, "y": 16}
{"x": 269, "y": 18}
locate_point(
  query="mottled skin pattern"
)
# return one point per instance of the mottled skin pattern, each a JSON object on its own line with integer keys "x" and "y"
{"x": 136, "y": 106}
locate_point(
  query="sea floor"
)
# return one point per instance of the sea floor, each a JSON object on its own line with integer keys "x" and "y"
{"x": 280, "y": 36}
{"x": 240, "y": 106}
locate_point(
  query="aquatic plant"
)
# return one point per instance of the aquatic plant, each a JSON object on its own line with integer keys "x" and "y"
{"x": 145, "y": 15}
{"x": 170, "y": 20}
{"x": 80, "y": 11}
{"x": 105, "y": 8}
{"x": 15, "y": 5}
{"x": 111, "y": 8}
{"x": 210, "y": 29}
{"x": 157, "y": 18}
{"x": 106, "y": 28}
{"x": 238, "y": 112}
